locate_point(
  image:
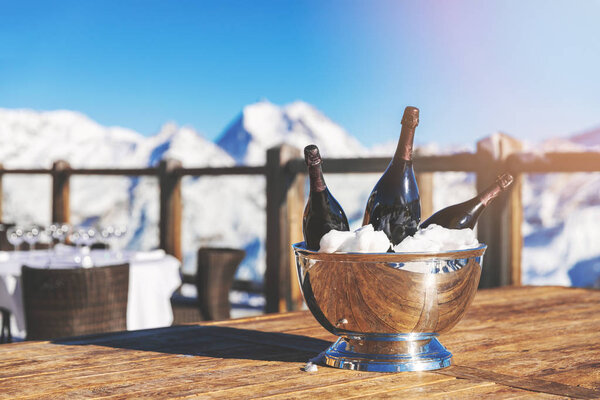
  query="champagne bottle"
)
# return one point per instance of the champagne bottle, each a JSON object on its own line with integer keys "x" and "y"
{"x": 465, "y": 215}
{"x": 394, "y": 204}
{"x": 322, "y": 212}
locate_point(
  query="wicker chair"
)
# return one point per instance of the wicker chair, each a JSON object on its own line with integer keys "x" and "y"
{"x": 71, "y": 302}
{"x": 213, "y": 279}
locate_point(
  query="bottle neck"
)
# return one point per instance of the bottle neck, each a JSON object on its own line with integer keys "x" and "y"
{"x": 405, "y": 144}
{"x": 315, "y": 174}
{"x": 489, "y": 194}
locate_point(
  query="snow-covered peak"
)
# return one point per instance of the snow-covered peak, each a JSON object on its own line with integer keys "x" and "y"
{"x": 32, "y": 139}
{"x": 586, "y": 141}
{"x": 193, "y": 150}
{"x": 264, "y": 125}
{"x": 590, "y": 139}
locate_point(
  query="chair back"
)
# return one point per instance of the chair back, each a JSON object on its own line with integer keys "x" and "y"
{"x": 214, "y": 278}
{"x": 76, "y": 301}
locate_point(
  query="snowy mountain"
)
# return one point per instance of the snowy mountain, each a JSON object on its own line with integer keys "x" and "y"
{"x": 560, "y": 209}
{"x": 263, "y": 125}
{"x": 589, "y": 139}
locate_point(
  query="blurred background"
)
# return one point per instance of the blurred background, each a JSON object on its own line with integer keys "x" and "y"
{"x": 125, "y": 84}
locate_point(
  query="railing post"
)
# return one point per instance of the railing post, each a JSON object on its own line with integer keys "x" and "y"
{"x": 285, "y": 196}
{"x": 170, "y": 208}
{"x": 295, "y": 210}
{"x": 60, "y": 191}
{"x": 1, "y": 190}
{"x": 425, "y": 183}
{"x": 500, "y": 226}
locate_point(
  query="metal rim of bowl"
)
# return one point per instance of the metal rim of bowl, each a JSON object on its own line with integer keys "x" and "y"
{"x": 388, "y": 257}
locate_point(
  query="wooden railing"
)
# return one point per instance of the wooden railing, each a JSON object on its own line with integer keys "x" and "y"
{"x": 499, "y": 227}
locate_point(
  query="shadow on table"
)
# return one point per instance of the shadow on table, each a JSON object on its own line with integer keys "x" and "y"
{"x": 210, "y": 341}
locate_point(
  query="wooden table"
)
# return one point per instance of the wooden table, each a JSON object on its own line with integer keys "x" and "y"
{"x": 514, "y": 342}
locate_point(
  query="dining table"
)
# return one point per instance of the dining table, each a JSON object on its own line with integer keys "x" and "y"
{"x": 153, "y": 277}
{"x": 513, "y": 342}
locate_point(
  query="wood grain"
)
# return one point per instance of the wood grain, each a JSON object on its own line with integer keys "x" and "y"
{"x": 169, "y": 223}
{"x": 60, "y": 192}
{"x": 519, "y": 342}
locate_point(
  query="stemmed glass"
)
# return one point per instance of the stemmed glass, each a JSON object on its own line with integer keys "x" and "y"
{"x": 49, "y": 234}
{"x": 31, "y": 236}
{"x": 90, "y": 237}
{"x": 105, "y": 235}
{"x": 113, "y": 235}
{"x": 61, "y": 232}
{"x": 14, "y": 235}
{"x": 83, "y": 238}
{"x": 74, "y": 237}
{"x": 45, "y": 237}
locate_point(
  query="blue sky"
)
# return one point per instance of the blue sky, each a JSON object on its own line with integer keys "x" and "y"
{"x": 528, "y": 68}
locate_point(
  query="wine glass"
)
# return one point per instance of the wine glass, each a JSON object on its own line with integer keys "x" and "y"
{"x": 89, "y": 237}
{"x": 49, "y": 232}
{"x": 115, "y": 237}
{"x": 14, "y": 235}
{"x": 45, "y": 237}
{"x": 61, "y": 232}
{"x": 75, "y": 237}
{"x": 83, "y": 238}
{"x": 32, "y": 236}
{"x": 105, "y": 235}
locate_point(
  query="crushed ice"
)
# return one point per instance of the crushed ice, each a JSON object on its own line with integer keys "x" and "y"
{"x": 363, "y": 240}
{"x": 437, "y": 239}
{"x": 433, "y": 239}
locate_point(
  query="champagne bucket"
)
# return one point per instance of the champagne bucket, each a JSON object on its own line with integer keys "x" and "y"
{"x": 388, "y": 308}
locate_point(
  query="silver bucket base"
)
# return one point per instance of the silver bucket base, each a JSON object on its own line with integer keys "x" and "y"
{"x": 388, "y": 353}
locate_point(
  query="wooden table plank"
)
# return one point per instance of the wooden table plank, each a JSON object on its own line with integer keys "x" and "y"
{"x": 526, "y": 383}
{"x": 459, "y": 389}
{"x": 539, "y": 342}
{"x": 539, "y": 332}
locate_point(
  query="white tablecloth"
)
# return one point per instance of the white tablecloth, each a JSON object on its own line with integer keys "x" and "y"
{"x": 153, "y": 276}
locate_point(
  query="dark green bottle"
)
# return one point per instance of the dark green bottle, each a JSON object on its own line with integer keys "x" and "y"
{"x": 322, "y": 212}
{"x": 465, "y": 215}
{"x": 394, "y": 205}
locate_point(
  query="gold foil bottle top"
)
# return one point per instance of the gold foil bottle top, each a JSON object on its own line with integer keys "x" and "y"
{"x": 504, "y": 180}
{"x": 410, "y": 119}
{"x": 312, "y": 155}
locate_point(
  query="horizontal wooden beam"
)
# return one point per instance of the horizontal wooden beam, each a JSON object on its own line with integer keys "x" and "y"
{"x": 554, "y": 162}
{"x": 236, "y": 170}
{"x": 446, "y": 163}
{"x": 116, "y": 171}
{"x": 466, "y": 162}
{"x": 35, "y": 171}
{"x": 88, "y": 171}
